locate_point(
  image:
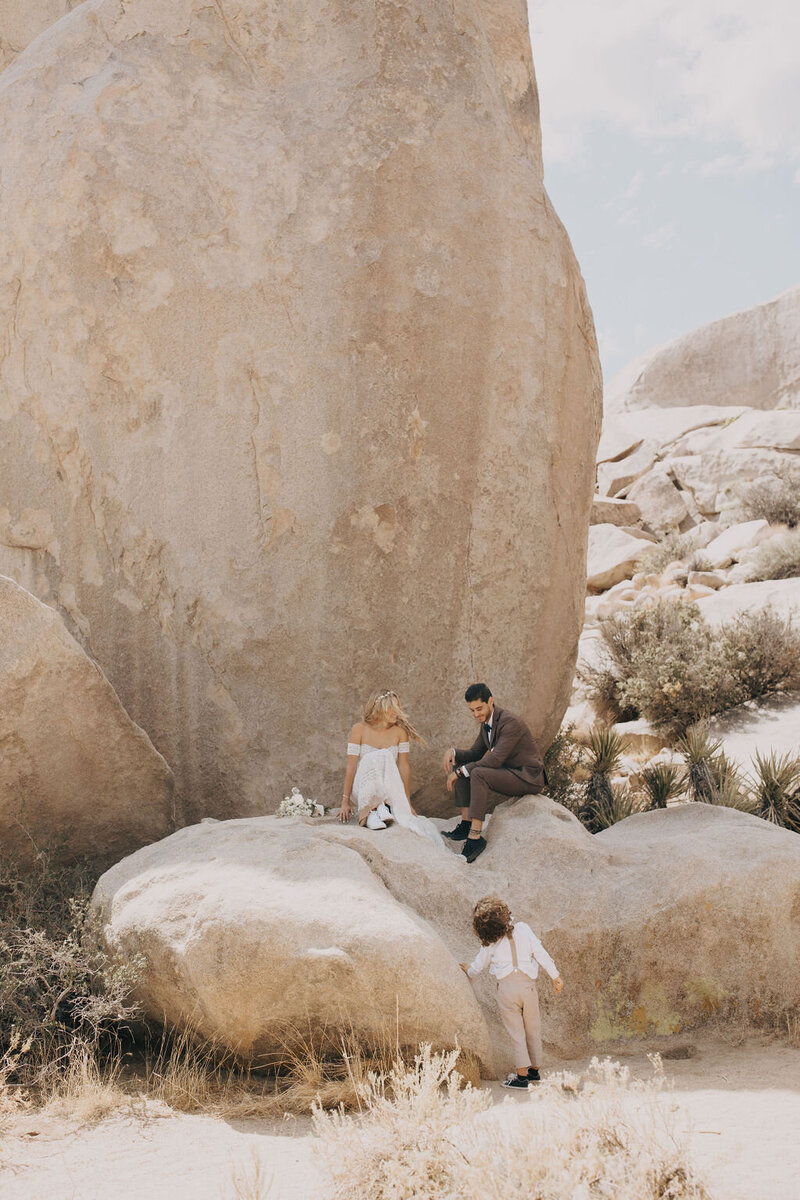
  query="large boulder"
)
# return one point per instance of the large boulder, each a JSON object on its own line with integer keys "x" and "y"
{"x": 77, "y": 776}
{"x": 750, "y": 358}
{"x": 665, "y": 922}
{"x": 23, "y": 20}
{"x": 261, "y": 931}
{"x": 292, "y": 339}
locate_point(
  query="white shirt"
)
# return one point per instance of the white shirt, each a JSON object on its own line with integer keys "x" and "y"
{"x": 530, "y": 953}
{"x": 463, "y": 770}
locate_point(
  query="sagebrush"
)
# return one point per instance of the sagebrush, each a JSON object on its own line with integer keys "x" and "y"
{"x": 776, "y": 500}
{"x": 60, "y": 992}
{"x": 667, "y": 664}
{"x": 424, "y": 1135}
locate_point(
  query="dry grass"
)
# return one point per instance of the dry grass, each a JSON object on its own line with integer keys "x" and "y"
{"x": 250, "y": 1180}
{"x": 426, "y": 1135}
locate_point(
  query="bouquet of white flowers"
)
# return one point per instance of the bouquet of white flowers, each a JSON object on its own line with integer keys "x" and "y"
{"x": 298, "y": 805}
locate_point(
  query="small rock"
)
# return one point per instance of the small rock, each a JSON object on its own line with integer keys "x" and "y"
{"x": 707, "y": 579}
{"x": 606, "y": 511}
{"x": 662, "y": 506}
{"x": 727, "y": 547}
{"x": 612, "y": 557}
{"x": 614, "y": 477}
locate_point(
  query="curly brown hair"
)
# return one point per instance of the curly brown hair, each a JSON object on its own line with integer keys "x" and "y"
{"x": 491, "y": 919}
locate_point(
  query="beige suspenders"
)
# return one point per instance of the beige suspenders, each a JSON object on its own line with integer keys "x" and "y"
{"x": 514, "y": 959}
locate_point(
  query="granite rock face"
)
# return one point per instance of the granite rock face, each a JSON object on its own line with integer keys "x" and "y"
{"x": 668, "y": 921}
{"x": 751, "y": 358}
{"x": 23, "y": 20}
{"x": 299, "y": 389}
{"x": 77, "y": 777}
{"x": 253, "y": 930}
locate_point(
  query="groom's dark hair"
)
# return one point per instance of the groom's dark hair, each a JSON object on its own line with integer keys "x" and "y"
{"x": 477, "y": 691}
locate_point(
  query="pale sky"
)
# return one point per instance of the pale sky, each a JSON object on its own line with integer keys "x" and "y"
{"x": 671, "y": 138}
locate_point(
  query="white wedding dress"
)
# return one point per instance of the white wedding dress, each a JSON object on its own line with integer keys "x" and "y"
{"x": 378, "y": 781}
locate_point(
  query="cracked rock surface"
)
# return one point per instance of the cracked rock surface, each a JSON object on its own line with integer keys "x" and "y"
{"x": 299, "y": 389}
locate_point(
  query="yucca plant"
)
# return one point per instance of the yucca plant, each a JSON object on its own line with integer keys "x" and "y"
{"x": 731, "y": 789}
{"x": 662, "y": 782}
{"x": 605, "y": 751}
{"x": 698, "y": 750}
{"x": 623, "y": 802}
{"x": 776, "y": 789}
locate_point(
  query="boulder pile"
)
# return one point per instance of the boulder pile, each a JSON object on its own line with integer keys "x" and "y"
{"x": 252, "y": 929}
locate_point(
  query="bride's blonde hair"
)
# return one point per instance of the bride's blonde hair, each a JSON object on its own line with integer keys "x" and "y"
{"x": 384, "y": 705}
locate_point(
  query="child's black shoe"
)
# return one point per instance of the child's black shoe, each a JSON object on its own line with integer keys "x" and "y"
{"x": 533, "y": 1075}
{"x": 515, "y": 1081}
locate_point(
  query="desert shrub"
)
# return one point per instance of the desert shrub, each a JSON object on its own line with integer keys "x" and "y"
{"x": 562, "y": 759}
{"x": 776, "y": 789}
{"x": 775, "y": 500}
{"x": 422, "y": 1133}
{"x": 673, "y": 547}
{"x": 60, "y": 993}
{"x": 662, "y": 782}
{"x": 761, "y": 652}
{"x": 778, "y": 558}
{"x": 674, "y": 669}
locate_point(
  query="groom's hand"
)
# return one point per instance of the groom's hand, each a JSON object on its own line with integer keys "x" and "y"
{"x": 449, "y": 761}
{"x": 451, "y": 781}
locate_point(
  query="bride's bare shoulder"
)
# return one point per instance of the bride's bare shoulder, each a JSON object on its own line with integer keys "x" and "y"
{"x": 357, "y": 733}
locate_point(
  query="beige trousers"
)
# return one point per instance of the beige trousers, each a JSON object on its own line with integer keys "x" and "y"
{"x": 519, "y": 1009}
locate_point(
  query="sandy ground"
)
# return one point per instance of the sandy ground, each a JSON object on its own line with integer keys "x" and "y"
{"x": 740, "y": 1105}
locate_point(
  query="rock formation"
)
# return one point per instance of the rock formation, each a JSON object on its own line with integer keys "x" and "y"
{"x": 750, "y": 358}
{"x": 258, "y": 931}
{"x": 77, "y": 777}
{"x": 299, "y": 391}
{"x": 23, "y": 20}
{"x": 666, "y": 921}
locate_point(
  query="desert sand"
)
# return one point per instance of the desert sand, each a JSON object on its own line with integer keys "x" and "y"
{"x": 739, "y": 1103}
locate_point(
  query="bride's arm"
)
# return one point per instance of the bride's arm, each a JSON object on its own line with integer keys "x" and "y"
{"x": 350, "y": 773}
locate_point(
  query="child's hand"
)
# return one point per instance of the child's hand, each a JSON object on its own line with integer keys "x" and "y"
{"x": 464, "y": 967}
{"x": 558, "y": 985}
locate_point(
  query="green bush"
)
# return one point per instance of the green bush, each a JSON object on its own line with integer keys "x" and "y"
{"x": 561, "y": 761}
{"x": 775, "y": 500}
{"x": 599, "y": 800}
{"x": 58, "y": 987}
{"x": 671, "y": 667}
{"x": 778, "y": 558}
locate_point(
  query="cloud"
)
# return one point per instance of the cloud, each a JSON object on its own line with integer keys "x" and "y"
{"x": 723, "y": 71}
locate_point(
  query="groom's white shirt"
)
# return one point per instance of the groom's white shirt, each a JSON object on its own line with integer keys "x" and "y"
{"x": 463, "y": 770}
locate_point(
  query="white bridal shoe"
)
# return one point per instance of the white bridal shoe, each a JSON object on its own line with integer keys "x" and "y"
{"x": 374, "y": 821}
{"x": 385, "y": 813}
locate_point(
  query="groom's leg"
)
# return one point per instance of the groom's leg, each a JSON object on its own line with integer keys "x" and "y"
{"x": 483, "y": 780}
{"x": 461, "y": 796}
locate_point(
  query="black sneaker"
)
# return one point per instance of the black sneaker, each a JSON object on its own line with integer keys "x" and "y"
{"x": 473, "y": 847}
{"x": 459, "y": 834}
{"x": 533, "y": 1075}
{"x": 515, "y": 1081}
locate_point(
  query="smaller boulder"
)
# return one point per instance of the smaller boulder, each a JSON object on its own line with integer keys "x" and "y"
{"x": 77, "y": 776}
{"x": 727, "y": 546}
{"x": 662, "y": 506}
{"x": 606, "y": 511}
{"x": 613, "y": 556}
{"x": 614, "y": 477}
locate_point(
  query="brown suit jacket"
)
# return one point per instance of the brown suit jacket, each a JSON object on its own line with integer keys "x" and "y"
{"x": 512, "y": 746}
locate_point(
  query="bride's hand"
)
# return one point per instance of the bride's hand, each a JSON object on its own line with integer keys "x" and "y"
{"x": 344, "y": 812}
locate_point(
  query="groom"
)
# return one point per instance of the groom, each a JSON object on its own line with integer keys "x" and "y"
{"x": 504, "y": 759}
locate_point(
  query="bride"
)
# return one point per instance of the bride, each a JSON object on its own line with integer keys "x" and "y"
{"x": 378, "y": 777}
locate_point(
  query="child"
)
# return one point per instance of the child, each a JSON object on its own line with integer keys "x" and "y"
{"x": 512, "y": 953}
